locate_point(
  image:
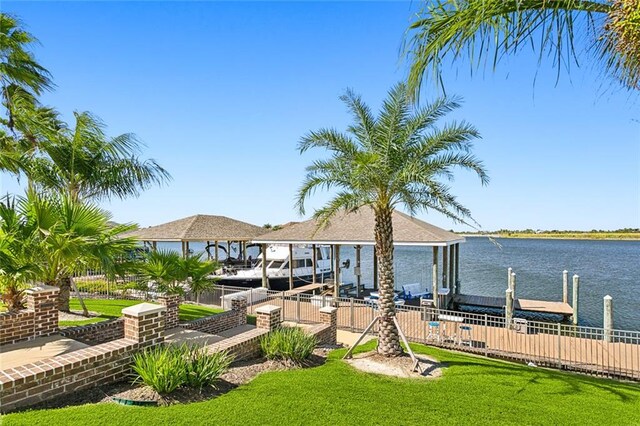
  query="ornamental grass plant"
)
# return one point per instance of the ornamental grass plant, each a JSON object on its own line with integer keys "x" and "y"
{"x": 289, "y": 344}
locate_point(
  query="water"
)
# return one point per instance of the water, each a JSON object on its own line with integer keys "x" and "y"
{"x": 604, "y": 267}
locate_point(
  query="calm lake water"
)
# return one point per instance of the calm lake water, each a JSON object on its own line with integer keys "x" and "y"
{"x": 604, "y": 267}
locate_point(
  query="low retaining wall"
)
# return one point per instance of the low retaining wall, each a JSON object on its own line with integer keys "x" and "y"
{"x": 105, "y": 363}
{"x": 39, "y": 319}
{"x": 223, "y": 321}
{"x": 95, "y": 334}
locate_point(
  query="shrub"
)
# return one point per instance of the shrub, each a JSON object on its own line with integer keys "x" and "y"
{"x": 161, "y": 367}
{"x": 288, "y": 344}
{"x": 204, "y": 368}
{"x": 166, "y": 368}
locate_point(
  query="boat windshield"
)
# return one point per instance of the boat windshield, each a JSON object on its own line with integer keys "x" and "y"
{"x": 276, "y": 264}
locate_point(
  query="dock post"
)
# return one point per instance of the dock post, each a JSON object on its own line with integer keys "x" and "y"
{"x": 576, "y": 288}
{"x": 608, "y": 318}
{"x": 434, "y": 277}
{"x": 512, "y": 285}
{"x": 565, "y": 286}
{"x": 509, "y": 272}
{"x": 508, "y": 315}
{"x": 265, "y": 281}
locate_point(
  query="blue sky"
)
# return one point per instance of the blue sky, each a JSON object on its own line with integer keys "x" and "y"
{"x": 222, "y": 92}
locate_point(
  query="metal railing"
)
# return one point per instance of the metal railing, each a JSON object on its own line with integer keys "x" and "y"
{"x": 592, "y": 350}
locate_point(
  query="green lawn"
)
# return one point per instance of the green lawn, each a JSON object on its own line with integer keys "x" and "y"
{"x": 473, "y": 391}
{"x": 109, "y": 309}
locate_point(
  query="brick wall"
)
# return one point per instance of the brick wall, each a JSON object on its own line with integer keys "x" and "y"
{"x": 95, "y": 334}
{"x": 268, "y": 317}
{"x": 329, "y": 317}
{"x": 105, "y": 363}
{"x": 223, "y": 321}
{"x": 172, "y": 303}
{"x": 39, "y": 319}
{"x": 16, "y": 326}
{"x": 242, "y": 346}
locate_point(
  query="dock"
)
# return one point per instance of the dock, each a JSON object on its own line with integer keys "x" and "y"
{"x": 538, "y": 306}
{"x": 309, "y": 288}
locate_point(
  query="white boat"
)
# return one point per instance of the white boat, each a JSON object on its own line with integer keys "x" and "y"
{"x": 277, "y": 260}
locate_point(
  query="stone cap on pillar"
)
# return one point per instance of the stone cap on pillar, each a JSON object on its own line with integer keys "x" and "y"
{"x": 142, "y": 309}
{"x": 41, "y": 288}
{"x": 267, "y": 309}
{"x": 328, "y": 309}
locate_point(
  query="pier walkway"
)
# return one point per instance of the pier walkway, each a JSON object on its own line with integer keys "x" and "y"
{"x": 539, "y": 306}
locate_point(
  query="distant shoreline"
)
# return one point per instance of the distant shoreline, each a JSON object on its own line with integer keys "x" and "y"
{"x": 568, "y": 236}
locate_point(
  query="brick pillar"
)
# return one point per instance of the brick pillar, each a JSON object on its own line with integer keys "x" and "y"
{"x": 268, "y": 317}
{"x": 43, "y": 301}
{"x": 329, "y": 315}
{"x": 239, "y": 306}
{"x": 144, "y": 323}
{"x": 172, "y": 303}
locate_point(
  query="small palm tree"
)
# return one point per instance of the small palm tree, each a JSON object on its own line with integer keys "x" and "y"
{"x": 171, "y": 273}
{"x": 395, "y": 159}
{"x": 18, "y": 255}
{"x": 73, "y": 237}
{"x": 486, "y": 30}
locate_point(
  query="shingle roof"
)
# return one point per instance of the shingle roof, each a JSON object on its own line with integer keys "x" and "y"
{"x": 200, "y": 228}
{"x": 358, "y": 228}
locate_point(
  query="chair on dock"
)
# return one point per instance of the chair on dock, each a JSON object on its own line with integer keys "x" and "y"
{"x": 465, "y": 336}
{"x": 434, "y": 331}
{"x": 414, "y": 291}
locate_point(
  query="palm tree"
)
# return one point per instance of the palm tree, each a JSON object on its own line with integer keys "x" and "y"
{"x": 396, "y": 159}
{"x": 18, "y": 67}
{"x": 74, "y": 237}
{"x": 171, "y": 273}
{"x": 22, "y": 80}
{"x": 18, "y": 255}
{"x": 86, "y": 164}
{"x": 487, "y": 30}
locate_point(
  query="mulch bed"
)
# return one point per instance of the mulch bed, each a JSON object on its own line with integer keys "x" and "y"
{"x": 238, "y": 374}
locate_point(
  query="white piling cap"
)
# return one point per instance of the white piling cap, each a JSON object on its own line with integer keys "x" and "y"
{"x": 607, "y": 297}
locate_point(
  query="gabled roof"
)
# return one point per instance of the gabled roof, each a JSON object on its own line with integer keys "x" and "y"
{"x": 200, "y": 227}
{"x": 358, "y": 228}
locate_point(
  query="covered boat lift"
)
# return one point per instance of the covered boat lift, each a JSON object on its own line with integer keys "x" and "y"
{"x": 357, "y": 229}
{"x": 201, "y": 228}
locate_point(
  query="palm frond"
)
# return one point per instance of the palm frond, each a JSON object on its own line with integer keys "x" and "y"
{"x": 486, "y": 30}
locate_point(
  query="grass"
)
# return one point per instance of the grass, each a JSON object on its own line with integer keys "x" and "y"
{"x": 473, "y": 390}
{"x": 109, "y": 309}
{"x": 574, "y": 235}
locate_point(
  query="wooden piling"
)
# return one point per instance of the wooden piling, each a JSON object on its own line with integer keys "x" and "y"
{"x": 265, "y": 280}
{"x": 336, "y": 275}
{"x": 314, "y": 263}
{"x": 508, "y": 314}
{"x": 509, "y": 272}
{"x": 290, "y": 266}
{"x": 512, "y": 285}
{"x": 434, "y": 277}
{"x": 608, "y": 318}
{"x": 375, "y": 269}
{"x": 565, "y": 286}
{"x": 576, "y": 292}
{"x": 357, "y": 271}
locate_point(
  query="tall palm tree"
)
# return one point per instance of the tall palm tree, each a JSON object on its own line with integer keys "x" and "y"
{"x": 22, "y": 80}
{"x": 487, "y": 30}
{"x": 74, "y": 237}
{"x": 85, "y": 163}
{"x": 396, "y": 159}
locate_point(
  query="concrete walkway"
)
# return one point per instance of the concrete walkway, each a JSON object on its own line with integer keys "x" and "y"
{"x": 38, "y": 349}
{"x": 179, "y": 335}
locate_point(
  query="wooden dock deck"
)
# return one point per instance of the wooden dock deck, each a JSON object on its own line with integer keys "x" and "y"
{"x": 540, "y": 306}
{"x": 309, "y": 288}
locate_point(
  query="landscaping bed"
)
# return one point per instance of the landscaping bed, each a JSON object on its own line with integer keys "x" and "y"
{"x": 239, "y": 373}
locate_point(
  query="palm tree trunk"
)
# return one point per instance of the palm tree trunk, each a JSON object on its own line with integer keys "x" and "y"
{"x": 65, "y": 293}
{"x": 388, "y": 338}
